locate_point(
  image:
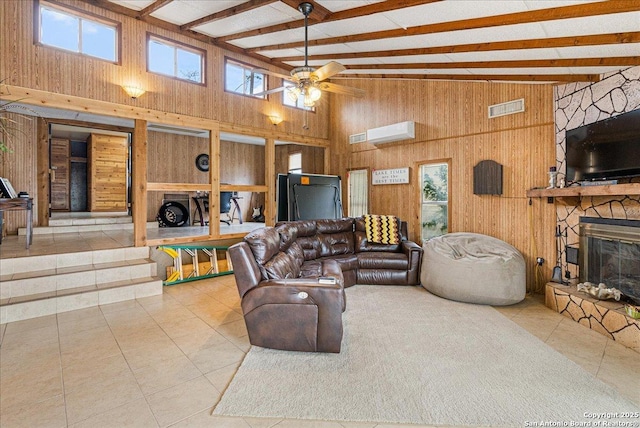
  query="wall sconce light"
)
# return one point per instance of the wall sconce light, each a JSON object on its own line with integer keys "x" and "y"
{"x": 133, "y": 91}
{"x": 275, "y": 119}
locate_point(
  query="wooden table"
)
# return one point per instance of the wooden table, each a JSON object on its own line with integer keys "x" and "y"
{"x": 17, "y": 204}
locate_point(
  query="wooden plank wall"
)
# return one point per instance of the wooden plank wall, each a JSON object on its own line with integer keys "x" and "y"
{"x": 312, "y": 158}
{"x": 451, "y": 123}
{"x": 27, "y": 65}
{"x": 172, "y": 158}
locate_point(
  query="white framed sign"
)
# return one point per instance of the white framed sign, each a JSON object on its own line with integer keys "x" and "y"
{"x": 390, "y": 176}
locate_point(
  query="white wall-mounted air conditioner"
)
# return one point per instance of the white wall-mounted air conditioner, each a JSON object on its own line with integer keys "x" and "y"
{"x": 389, "y": 133}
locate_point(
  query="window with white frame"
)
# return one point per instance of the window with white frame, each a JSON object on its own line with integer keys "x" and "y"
{"x": 288, "y": 100}
{"x": 295, "y": 163}
{"x": 175, "y": 59}
{"x": 76, "y": 32}
{"x": 240, "y": 78}
{"x": 358, "y": 192}
{"x": 434, "y": 184}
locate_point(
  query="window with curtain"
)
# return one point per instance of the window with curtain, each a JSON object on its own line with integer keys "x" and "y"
{"x": 434, "y": 182}
{"x": 358, "y": 192}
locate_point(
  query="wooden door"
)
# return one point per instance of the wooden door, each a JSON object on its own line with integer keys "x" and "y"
{"x": 60, "y": 166}
{"x": 107, "y": 157}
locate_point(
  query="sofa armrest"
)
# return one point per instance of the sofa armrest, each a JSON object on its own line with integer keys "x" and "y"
{"x": 414, "y": 256}
{"x": 293, "y": 291}
{"x": 311, "y": 306}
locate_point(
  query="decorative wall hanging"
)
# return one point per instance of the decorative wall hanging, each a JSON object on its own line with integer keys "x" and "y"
{"x": 487, "y": 178}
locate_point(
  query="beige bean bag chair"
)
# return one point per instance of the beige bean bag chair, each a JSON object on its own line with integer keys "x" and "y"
{"x": 473, "y": 268}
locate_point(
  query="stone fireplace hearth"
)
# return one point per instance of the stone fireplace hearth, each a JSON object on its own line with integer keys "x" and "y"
{"x": 609, "y": 253}
{"x": 607, "y": 317}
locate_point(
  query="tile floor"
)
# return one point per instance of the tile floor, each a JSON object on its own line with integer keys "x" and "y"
{"x": 165, "y": 360}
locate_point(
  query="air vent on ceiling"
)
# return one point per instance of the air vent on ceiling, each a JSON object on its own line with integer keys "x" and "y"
{"x": 358, "y": 138}
{"x": 503, "y": 109}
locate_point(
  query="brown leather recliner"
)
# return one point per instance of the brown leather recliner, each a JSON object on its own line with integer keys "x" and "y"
{"x": 277, "y": 272}
{"x": 286, "y": 311}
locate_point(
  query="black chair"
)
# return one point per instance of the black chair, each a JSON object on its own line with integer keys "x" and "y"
{"x": 225, "y": 205}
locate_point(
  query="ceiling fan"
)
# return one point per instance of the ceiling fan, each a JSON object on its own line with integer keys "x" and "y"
{"x": 307, "y": 81}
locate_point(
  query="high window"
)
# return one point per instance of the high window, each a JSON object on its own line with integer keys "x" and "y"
{"x": 76, "y": 32}
{"x": 241, "y": 79}
{"x": 288, "y": 100}
{"x": 295, "y": 163}
{"x": 434, "y": 184}
{"x": 175, "y": 59}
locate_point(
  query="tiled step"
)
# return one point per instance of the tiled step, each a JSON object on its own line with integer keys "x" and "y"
{"x": 83, "y": 225}
{"x": 42, "y": 285}
{"x": 41, "y": 304}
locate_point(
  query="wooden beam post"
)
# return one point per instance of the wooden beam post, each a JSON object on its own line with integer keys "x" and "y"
{"x": 139, "y": 183}
{"x": 270, "y": 181}
{"x": 42, "y": 197}
{"x": 214, "y": 181}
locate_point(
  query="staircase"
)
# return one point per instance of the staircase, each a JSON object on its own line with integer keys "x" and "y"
{"x": 88, "y": 224}
{"x": 43, "y": 285}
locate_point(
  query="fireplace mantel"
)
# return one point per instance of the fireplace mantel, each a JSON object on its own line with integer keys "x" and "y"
{"x": 572, "y": 195}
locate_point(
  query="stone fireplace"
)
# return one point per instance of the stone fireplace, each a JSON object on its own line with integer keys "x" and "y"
{"x": 609, "y": 253}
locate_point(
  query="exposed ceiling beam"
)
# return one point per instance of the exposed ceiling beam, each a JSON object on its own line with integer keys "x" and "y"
{"x": 244, "y": 7}
{"x": 153, "y": 7}
{"x": 371, "y": 9}
{"x": 574, "y": 62}
{"x": 318, "y": 13}
{"x": 554, "y": 42}
{"x": 549, "y": 14}
{"x": 483, "y": 77}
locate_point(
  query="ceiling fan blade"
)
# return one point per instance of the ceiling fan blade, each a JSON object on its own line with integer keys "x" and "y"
{"x": 271, "y": 73}
{"x": 271, "y": 91}
{"x": 340, "y": 89}
{"x": 328, "y": 70}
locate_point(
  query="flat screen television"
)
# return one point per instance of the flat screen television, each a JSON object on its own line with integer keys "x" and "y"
{"x": 604, "y": 150}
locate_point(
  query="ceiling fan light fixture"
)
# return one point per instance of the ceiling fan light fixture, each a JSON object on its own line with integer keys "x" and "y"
{"x": 308, "y": 101}
{"x": 314, "y": 93}
{"x": 293, "y": 93}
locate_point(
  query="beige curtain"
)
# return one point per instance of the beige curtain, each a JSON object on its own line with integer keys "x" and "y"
{"x": 358, "y": 186}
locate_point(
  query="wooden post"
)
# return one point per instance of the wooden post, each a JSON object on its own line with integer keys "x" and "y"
{"x": 139, "y": 183}
{"x": 214, "y": 181}
{"x": 43, "y": 198}
{"x": 270, "y": 181}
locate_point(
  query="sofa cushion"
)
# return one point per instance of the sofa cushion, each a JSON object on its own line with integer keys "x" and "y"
{"x": 264, "y": 243}
{"x": 346, "y": 262}
{"x": 383, "y": 260}
{"x": 382, "y": 229}
{"x": 288, "y": 234}
{"x": 311, "y": 269}
{"x": 295, "y": 251}
{"x": 282, "y": 266}
{"x": 334, "y": 225}
{"x": 311, "y": 246}
{"x": 363, "y": 245}
{"x": 333, "y": 244}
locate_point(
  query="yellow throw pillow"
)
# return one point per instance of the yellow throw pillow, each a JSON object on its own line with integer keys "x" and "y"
{"x": 382, "y": 229}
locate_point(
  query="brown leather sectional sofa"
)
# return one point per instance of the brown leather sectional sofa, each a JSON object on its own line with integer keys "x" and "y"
{"x": 280, "y": 273}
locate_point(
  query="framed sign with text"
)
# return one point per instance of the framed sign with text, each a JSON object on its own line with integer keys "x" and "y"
{"x": 390, "y": 176}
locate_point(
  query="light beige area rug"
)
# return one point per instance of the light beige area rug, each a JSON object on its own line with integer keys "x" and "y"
{"x": 411, "y": 357}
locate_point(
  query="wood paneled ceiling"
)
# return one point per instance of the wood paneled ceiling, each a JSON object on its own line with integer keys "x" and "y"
{"x": 508, "y": 40}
